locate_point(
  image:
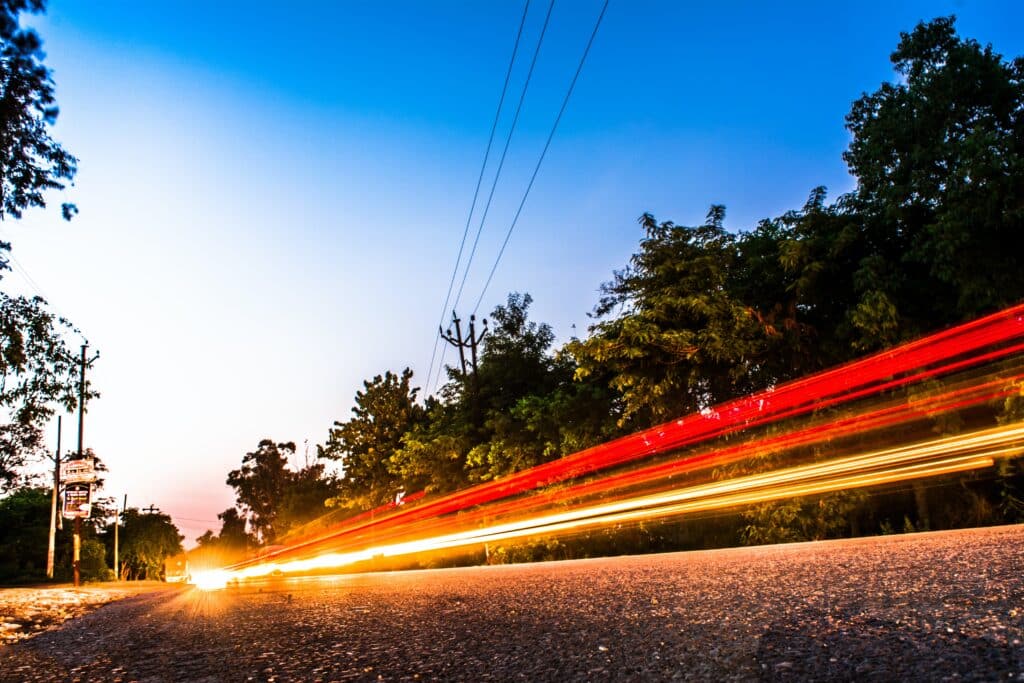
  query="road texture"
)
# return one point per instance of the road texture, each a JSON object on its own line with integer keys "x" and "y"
{"x": 24, "y": 612}
{"x": 940, "y": 606}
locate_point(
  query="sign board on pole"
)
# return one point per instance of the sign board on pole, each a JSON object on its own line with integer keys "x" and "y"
{"x": 77, "y": 500}
{"x": 77, "y": 471}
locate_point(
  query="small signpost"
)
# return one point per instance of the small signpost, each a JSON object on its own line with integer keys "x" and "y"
{"x": 77, "y": 500}
{"x": 78, "y": 471}
{"x": 78, "y": 476}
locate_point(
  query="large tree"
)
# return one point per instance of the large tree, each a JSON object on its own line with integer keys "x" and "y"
{"x": 37, "y": 372}
{"x": 675, "y": 333}
{"x": 260, "y": 485}
{"x": 385, "y": 409}
{"x": 35, "y": 364}
{"x": 146, "y": 541}
{"x": 939, "y": 161}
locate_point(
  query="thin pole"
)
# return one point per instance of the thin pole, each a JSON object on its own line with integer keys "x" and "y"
{"x": 81, "y": 401}
{"x": 78, "y": 549}
{"x": 117, "y": 523}
{"x": 52, "y": 546}
{"x": 81, "y": 428}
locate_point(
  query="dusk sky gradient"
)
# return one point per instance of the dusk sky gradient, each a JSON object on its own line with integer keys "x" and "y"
{"x": 272, "y": 199}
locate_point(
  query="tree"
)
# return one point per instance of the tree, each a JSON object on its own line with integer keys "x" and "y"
{"x": 37, "y": 371}
{"x": 385, "y": 410}
{"x": 939, "y": 162}
{"x": 232, "y": 530}
{"x": 532, "y": 410}
{"x": 260, "y": 486}
{"x": 24, "y": 522}
{"x": 233, "y": 534}
{"x": 31, "y": 162}
{"x": 146, "y": 541}
{"x": 305, "y": 496}
{"x": 675, "y": 335}
{"x": 34, "y": 361}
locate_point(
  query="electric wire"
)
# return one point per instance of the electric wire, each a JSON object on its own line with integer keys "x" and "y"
{"x": 501, "y": 162}
{"x": 24, "y": 272}
{"x": 547, "y": 144}
{"x": 504, "y": 152}
{"x": 476, "y": 192}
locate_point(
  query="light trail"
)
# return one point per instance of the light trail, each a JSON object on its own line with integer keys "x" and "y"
{"x": 931, "y": 458}
{"x": 827, "y": 432}
{"x": 766, "y": 408}
{"x": 888, "y": 397}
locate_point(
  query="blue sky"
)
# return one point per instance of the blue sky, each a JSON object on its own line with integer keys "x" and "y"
{"x": 272, "y": 198}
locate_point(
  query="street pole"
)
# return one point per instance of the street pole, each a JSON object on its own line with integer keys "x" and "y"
{"x": 81, "y": 428}
{"x": 117, "y": 523}
{"x": 471, "y": 342}
{"x": 51, "y": 548}
{"x": 81, "y": 454}
{"x": 81, "y": 401}
{"x": 77, "y": 549}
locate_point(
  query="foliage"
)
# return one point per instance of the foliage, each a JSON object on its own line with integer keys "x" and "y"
{"x": 24, "y": 526}
{"x": 31, "y": 162}
{"x": 92, "y": 565}
{"x": 233, "y": 534}
{"x": 146, "y": 541}
{"x": 37, "y": 372}
{"x": 384, "y": 411}
{"x": 681, "y": 339}
{"x": 305, "y": 496}
{"x": 801, "y": 519}
{"x": 260, "y": 486}
{"x": 36, "y": 367}
{"x": 939, "y": 161}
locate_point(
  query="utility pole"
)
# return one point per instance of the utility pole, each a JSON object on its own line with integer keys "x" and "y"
{"x": 54, "y": 516}
{"x": 471, "y": 342}
{"x": 151, "y": 510}
{"x": 117, "y": 523}
{"x": 81, "y": 455}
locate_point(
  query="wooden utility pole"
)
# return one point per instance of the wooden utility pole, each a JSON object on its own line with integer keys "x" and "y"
{"x": 117, "y": 523}
{"x": 81, "y": 454}
{"x": 471, "y": 342}
{"x": 54, "y": 507}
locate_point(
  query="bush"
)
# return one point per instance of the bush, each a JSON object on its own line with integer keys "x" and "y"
{"x": 92, "y": 563}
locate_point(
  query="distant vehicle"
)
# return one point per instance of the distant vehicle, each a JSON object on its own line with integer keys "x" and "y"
{"x": 176, "y": 569}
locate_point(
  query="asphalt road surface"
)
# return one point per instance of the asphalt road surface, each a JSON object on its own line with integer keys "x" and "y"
{"x": 935, "y": 606}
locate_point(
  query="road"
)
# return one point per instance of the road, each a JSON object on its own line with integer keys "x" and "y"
{"x": 946, "y": 605}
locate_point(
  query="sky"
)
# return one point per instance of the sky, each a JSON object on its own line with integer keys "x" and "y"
{"x": 272, "y": 201}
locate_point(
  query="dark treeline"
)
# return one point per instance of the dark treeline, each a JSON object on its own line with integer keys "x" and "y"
{"x": 931, "y": 236}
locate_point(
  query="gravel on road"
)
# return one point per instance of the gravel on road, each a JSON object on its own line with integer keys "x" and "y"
{"x": 936, "y": 606}
{"x": 25, "y": 612}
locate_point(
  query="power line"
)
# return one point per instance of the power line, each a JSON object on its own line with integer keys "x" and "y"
{"x": 547, "y": 144}
{"x": 24, "y": 272}
{"x": 501, "y": 162}
{"x": 479, "y": 181}
{"x": 504, "y": 152}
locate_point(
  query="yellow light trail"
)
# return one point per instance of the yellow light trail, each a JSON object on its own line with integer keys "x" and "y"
{"x": 934, "y": 457}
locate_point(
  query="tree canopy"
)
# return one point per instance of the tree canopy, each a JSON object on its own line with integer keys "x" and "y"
{"x": 31, "y": 161}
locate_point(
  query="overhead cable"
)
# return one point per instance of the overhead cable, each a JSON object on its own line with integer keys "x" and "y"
{"x": 479, "y": 180}
{"x": 547, "y": 144}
